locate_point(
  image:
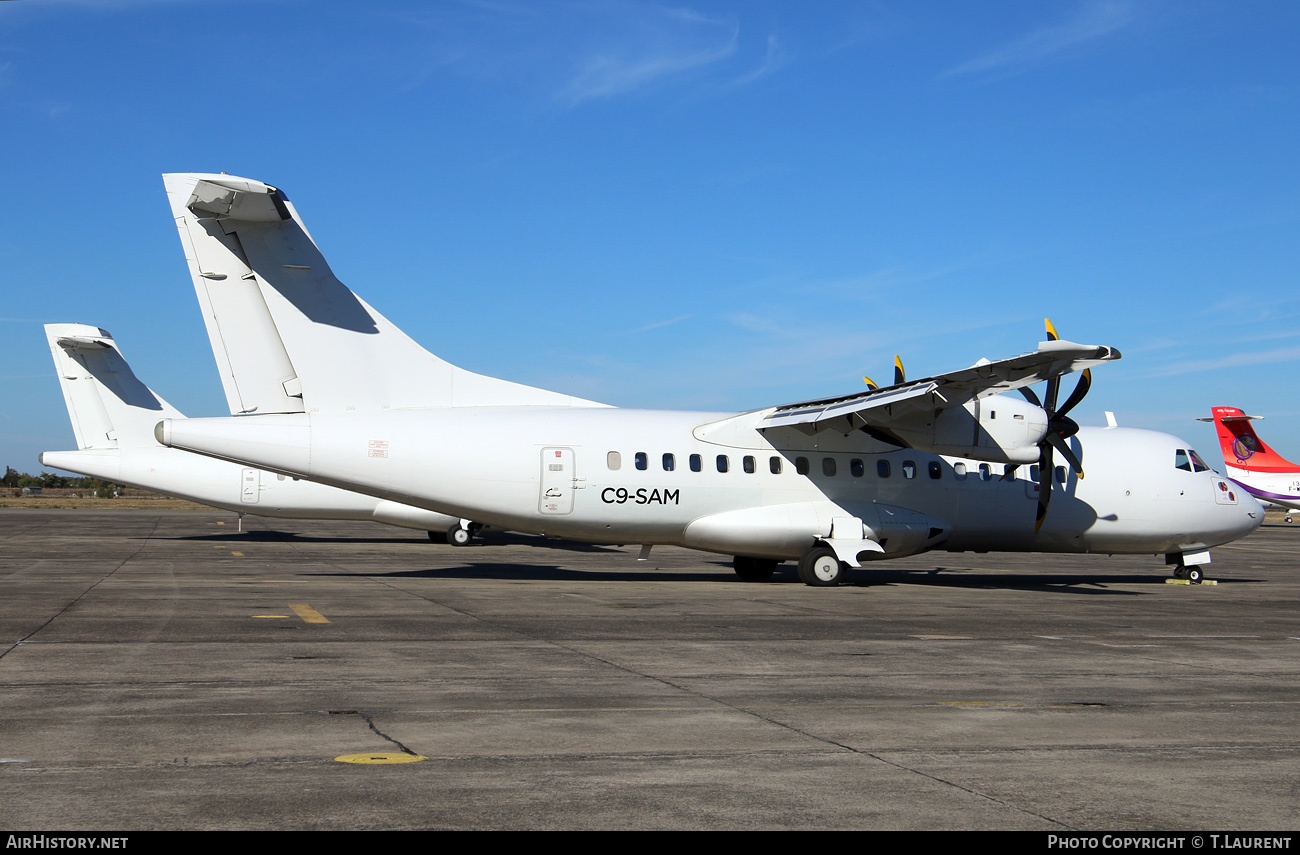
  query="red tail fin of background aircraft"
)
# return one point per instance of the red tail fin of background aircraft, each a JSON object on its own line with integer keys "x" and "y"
{"x": 1242, "y": 449}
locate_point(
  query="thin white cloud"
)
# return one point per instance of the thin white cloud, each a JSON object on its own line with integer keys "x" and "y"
{"x": 621, "y": 69}
{"x": 773, "y": 60}
{"x": 1094, "y": 20}
{"x": 660, "y": 324}
{"x": 1232, "y": 360}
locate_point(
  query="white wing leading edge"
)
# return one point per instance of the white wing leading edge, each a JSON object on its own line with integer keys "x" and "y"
{"x": 961, "y": 413}
{"x": 884, "y": 406}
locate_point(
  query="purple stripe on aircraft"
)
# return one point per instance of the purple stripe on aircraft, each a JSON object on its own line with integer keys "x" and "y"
{"x": 1265, "y": 494}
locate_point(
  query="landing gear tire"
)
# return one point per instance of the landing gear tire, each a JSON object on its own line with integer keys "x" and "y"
{"x": 1288, "y": 519}
{"x": 753, "y": 569}
{"x": 438, "y": 536}
{"x": 1194, "y": 575}
{"x": 821, "y": 568}
{"x": 458, "y": 536}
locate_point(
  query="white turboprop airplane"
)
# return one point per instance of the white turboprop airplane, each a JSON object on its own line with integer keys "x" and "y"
{"x": 113, "y": 416}
{"x": 1261, "y": 471}
{"x": 893, "y": 471}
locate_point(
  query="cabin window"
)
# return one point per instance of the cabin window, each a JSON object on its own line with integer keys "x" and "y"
{"x": 828, "y": 467}
{"x": 1181, "y": 461}
{"x": 723, "y": 463}
{"x": 748, "y": 463}
{"x": 935, "y": 469}
{"x": 801, "y": 465}
{"x": 1033, "y": 473}
{"x": 959, "y": 471}
{"x": 641, "y": 460}
{"x": 614, "y": 460}
{"x": 882, "y": 468}
{"x": 909, "y": 469}
{"x": 1198, "y": 465}
{"x": 986, "y": 472}
{"x": 697, "y": 463}
{"x": 1060, "y": 474}
{"x": 670, "y": 462}
{"x": 774, "y": 463}
{"x": 857, "y": 468}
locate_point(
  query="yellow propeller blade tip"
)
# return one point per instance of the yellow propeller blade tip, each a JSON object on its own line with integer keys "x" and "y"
{"x": 870, "y": 382}
{"x": 1051, "y": 330}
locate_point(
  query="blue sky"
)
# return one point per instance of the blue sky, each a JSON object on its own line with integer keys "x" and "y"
{"x": 714, "y": 205}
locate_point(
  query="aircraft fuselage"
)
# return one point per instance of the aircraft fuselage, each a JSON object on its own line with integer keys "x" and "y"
{"x": 713, "y": 481}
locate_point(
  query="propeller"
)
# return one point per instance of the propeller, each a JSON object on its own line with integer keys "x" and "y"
{"x": 900, "y": 376}
{"x": 1060, "y": 427}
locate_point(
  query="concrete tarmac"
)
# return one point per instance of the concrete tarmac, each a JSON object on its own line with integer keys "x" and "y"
{"x": 159, "y": 670}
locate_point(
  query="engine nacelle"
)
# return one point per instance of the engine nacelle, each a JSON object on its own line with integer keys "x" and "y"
{"x": 999, "y": 429}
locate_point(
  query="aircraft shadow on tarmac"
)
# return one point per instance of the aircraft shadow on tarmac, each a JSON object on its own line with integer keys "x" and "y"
{"x": 1081, "y": 583}
{"x": 489, "y": 540}
{"x": 553, "y": 573}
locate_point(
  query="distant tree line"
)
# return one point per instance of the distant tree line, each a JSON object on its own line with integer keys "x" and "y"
{"x": 14, "y": 478}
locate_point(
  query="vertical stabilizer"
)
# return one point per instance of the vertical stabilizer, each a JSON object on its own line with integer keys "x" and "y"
{"x": 108, "y": 405}
{"x": 1242, "y": 448}
{"x": 287, "y": 334}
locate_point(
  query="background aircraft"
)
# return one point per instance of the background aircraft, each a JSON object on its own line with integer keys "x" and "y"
{"x": 887, "y": 472}
{"x": 113, "y": 415}
{"x": 1257, "y": 468}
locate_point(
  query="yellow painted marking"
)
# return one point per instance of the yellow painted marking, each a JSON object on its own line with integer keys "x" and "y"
{"x": 381, "y": 757}
{"x": 219, "y": 522}
{"x": 307, "y": 613}
{"x": 270, "y": 616}
{"x": 240, "y": 554}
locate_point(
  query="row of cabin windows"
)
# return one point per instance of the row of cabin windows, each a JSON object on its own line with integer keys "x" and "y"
{"x": 857, "y": 468}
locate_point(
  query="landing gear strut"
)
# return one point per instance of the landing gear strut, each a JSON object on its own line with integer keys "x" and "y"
{"x": 821, "y": 568}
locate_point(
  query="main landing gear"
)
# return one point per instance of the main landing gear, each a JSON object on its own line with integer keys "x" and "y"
{"x": 457, "y": 535}
{"x": 821, "y": 567}
{"x": 1191, "y": 574}
{"x": 754, "y": 569}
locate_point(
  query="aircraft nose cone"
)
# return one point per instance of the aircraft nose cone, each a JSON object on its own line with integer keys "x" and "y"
{"x": 1244, "y": 517}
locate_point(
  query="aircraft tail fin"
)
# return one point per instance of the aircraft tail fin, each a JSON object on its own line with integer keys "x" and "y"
{"x": 1242, "y": 448}
{"x": 108, "y": 405}
{"x": 288, "y": 336}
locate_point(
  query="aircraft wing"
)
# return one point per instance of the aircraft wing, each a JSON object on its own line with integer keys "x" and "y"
{"x": 880, "y": 407}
